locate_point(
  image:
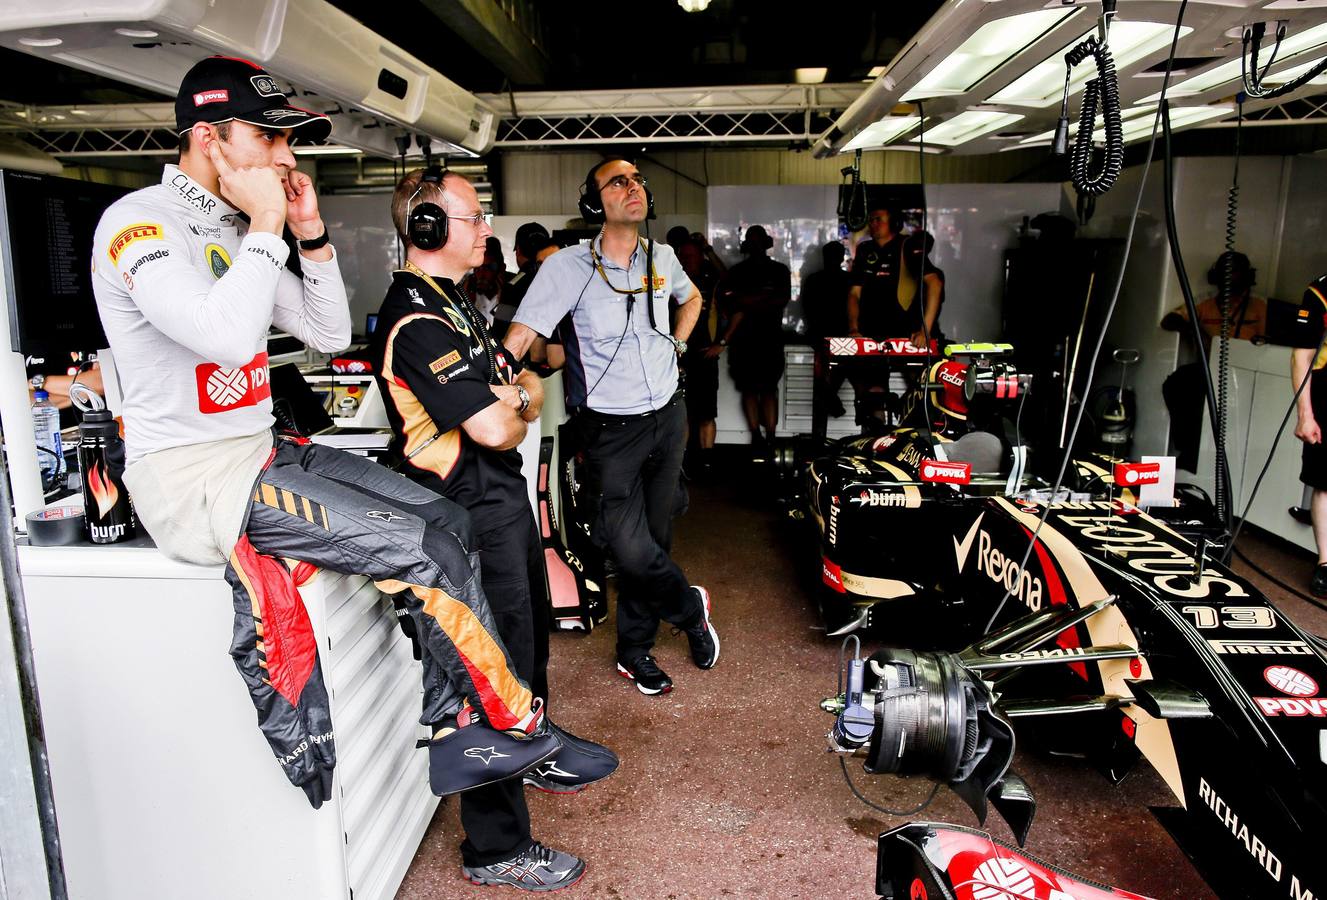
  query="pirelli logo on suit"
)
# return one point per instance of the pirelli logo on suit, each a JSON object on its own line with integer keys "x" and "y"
{"x": 293, "y": 504}
{"x": 133, "y": 233}
{"x": 444, "y": 362}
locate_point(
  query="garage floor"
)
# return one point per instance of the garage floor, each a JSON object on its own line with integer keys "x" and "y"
{"x": 725, "y": 789}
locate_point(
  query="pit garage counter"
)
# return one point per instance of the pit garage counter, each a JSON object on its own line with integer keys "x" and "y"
{"x": 163, "y": 783}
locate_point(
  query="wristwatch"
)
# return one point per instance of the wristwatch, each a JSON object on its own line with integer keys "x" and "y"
{"x": 723, "y": 343}
{"x": 679, "y": 346}
{"x": 525, "y": 397}
{"x": 315, "y": 243}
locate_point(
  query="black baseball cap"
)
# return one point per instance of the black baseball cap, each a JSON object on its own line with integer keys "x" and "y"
{"x": 531, "y": 238}
{"x": 229, "y": 89}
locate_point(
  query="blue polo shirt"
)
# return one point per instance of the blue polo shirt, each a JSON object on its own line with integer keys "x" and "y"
{"x": 616, "y": 364}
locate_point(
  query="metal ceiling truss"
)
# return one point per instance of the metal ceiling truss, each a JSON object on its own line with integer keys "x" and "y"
{"x": 1310, "y": 110}
{"x": 744, "y": 114}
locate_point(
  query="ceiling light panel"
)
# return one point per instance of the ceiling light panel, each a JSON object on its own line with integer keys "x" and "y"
{"x": 967, "y": 126}
{"x": 877, "y": 134}
{"x": 1309, "y": 39}
{"x": 1292, "y": 74}
{"x": 810, "y": 75}
{"x": 991, "y": 46}
{"x": 1043, "y": 84}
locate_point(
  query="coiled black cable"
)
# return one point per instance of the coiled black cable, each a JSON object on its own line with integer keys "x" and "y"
{"x": 1225, "y": 294}
{"x": 852, "y": 202}
{"x": 1103, "y": 91}
{"x": 1252, "y": 78}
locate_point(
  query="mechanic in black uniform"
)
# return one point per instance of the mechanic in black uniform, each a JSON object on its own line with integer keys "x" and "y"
{"x": 701, "y": 361}
{"x": 825, "y": 305}
{"x": 458, "y": 407}
{"x": 1310, "y": 355}
{"x": 531, "y": 239}
{"x": 921, "y": 278}
{"x": 873, "y": 305}
{"x": 754, "y": 293}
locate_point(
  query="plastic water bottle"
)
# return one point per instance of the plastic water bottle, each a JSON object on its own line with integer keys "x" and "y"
{"x": 46, "y": 425}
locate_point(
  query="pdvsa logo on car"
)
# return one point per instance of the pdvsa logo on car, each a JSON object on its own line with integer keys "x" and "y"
{"x": 1137, "y": 474}
{"x": 946, "y": 472}
{"x": 1298, "y": 686}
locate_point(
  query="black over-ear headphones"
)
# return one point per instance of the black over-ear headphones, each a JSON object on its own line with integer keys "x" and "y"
{"x": 1240, "y": 269}
{"x": 591, "y": 204}
{"x": 426, "y": 224}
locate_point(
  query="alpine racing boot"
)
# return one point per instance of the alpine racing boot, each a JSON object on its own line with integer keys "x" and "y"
{"x": 702, "y": 637}
{"x": 579, "y": 764}
{"x": 472, "y": 754}
{"x": 537, "y": 868}
{"x": 649, "y": 678}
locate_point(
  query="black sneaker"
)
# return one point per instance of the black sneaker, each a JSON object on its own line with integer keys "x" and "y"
{"x": 538, "y": 868}
{"x": 702, "y": 637}
{"x": 649, "y": 678}
{"x": 1318, "y": 584}
{"x": 579, "y": 764}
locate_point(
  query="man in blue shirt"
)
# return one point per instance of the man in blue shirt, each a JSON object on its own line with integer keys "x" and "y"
{"x": 621, "y": 387}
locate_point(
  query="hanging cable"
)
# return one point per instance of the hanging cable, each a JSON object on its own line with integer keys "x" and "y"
{"x": 1103, "y": 92}
{"x": 921, "y": 277}
{"x": 1225, "y": 293}
{"x": 1214, "y": 416}
{"x": 1248, "y": 60}
{"x": 1110, "y": 312}
{"x": 852, "y": 202}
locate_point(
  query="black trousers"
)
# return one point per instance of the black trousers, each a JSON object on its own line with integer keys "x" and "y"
{"x": 633, "y": 467}
{"x": 495, "y": 818}
{"x": 828, "y": 379}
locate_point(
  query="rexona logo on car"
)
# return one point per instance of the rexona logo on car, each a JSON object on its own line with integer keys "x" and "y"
{"x": 946, "y": 472}
{"x": 1137, "y": 474}
{"x": 995, "y": 565}
{"x": 1299, "y": 688}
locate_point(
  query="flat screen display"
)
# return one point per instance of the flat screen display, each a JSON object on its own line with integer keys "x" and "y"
{"x": 46, "y": 227}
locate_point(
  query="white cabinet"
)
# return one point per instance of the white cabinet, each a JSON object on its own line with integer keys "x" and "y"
{"x": 164, "y": 785}
{"x": 1259, "y": 394}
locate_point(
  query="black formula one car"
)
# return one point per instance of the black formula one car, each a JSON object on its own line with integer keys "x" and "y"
{"x": 1114, "y": 630}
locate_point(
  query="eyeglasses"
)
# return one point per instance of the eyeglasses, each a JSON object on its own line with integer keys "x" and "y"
{"x": 477, "y": 220}
{"x": 623, "y": 182}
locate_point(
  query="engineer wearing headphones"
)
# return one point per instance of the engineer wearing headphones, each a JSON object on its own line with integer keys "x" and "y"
{"x": 459, "y": 406}
{"x": 622, "y": 389}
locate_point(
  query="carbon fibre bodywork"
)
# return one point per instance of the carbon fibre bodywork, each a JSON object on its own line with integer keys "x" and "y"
{"x": 1225, "y": 696}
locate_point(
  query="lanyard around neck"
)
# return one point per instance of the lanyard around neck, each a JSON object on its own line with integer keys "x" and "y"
{"x": 597, "y": 261}
{"x": 477, "y": 330}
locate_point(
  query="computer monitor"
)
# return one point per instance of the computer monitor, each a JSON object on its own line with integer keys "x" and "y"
{"x": 46, "y": 227}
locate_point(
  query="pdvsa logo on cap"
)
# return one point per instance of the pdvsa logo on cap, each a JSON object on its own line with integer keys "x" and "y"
{"x": 266, "y": 86}
{"x": 202, "y": 98}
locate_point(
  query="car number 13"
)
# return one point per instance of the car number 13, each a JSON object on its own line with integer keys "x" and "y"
{"x": 1207, "y": 617}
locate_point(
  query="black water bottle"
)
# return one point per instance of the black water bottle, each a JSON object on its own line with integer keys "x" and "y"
{"x": 110, "y": 515}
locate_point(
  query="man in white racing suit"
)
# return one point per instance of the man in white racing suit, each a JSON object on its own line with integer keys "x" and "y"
{"x": 189, "y": 276}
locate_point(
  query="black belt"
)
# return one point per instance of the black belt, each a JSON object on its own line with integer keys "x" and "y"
{"x": 628, "y": 417}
